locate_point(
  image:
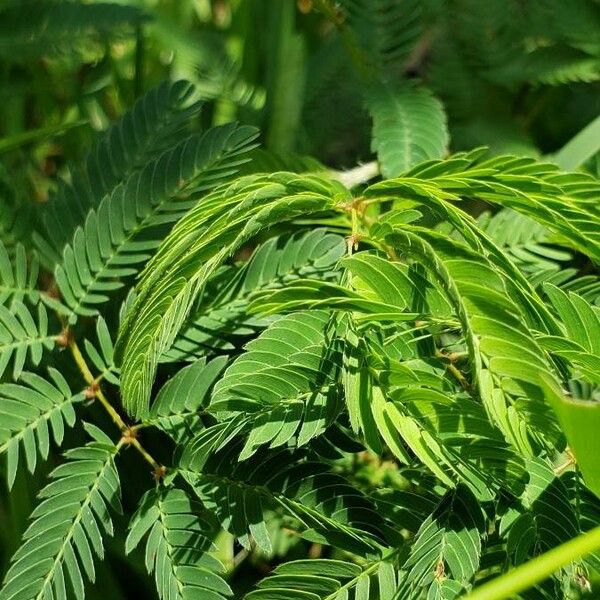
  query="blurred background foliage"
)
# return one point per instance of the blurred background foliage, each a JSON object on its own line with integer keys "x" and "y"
{"x": 319, "y": 78}
{"x": 516, "y": 75}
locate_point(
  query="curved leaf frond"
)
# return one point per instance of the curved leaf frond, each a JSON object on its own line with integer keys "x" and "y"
{"x": 329, "y": 579}
{"x": 156, "y": 122}
{"x": 129, "y": 222}
{"x": 180, "y": 401}
{"x": 29, "y": 413}
{"x": 284, "y": 385}
{"x": 409, "y": 126}
{"x": 446, "y": 552}
{"x": 67, "y": 528}
{"x": 325, "y": 505}
{"x": 193, "y": 252}
{"x": 22, "y": 338}
{"x": 177, "y": 547}
{"x": 223, "y": 318}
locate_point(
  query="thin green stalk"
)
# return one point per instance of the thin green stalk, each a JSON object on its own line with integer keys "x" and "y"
{"x": 286, "y": 78}
{"x": 580, "y": 148}
{"x": 538, "y": 569}
{"x": 357, "y": 55}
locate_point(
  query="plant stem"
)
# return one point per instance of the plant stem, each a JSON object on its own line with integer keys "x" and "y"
{"x": 147, "y": 456}
{"x": 286, "y": 77}
{"x": 453, "y": 369}
{"x": 128, "y": 433}
{"x": 90, "y": 380}
{"x": 358, "y": 56}
{"x": 538, "y": 569}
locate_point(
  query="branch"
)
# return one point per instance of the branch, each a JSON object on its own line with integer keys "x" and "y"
{"x": 128, "y": 434}
{"x": 91, "y": 381}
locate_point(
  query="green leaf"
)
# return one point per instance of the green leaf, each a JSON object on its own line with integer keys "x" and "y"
{"x": 580, "y": 319}
{"x": 543, "y": 516}
{"x": 21, "y": 338}
{"x": 528, "y": 243}
{"x": 328, "y": 579}
{"x": 385, "y": 30}
{"x": 580, "y": 421}
{"x": 492, "y": 332}
{"x": 580, "y": 345}
{"x": 129, "y": 222}
{"x": 156, "y": 122}
{"x": 560, "y": 201}
{"x": 30, "y": 413}
{"x": 308, "y": 491}
{"x": 284, "y": 386}
{"x": 102, "y": 356}
{"x": 178, "y": 545}
{"x": 359, "y": 395}
{"x": 192, "y": 253}
{"x": 409, "y": 126}
{"x": 580, "y": 148}
{"x": 59, "y": 545}
{"x": 180, "y": 401}
{"x": 447, "y": 548}
{"x": 222, "y": 319}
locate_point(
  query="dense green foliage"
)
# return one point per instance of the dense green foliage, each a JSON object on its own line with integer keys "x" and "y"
{"x": 234, "y": 364}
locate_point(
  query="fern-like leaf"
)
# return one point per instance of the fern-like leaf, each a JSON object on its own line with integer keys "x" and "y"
{"x": 155, "y": 123}
{"x": 581, "y": 343}
{"x": 66, "y": 531}
{"x": 446, "y": 552}
{"x": 327, "y": 507}
{"x": 29, "y": 413}
{"x": 530, "y": 244}
{"x": 18, "y": 278}
{"x": 22, "y": 338}
{"x": 385, "y": 30}
{"x": 128, "y": 223}
{"x": 193, "y": 252}
{"x": 530, "y": 524}
{"x": 563, "y": 202}
{"x": 409, "y": 126}
{"x": 581, "y": 320}
{"x": 177, "y": 407}
{"x": 284, "y": 386}
{"x": 328, "y": 579}
{"x": 222, "y": 318}
{"x": 177, "y": 547}
{"x": 102, "y": 355}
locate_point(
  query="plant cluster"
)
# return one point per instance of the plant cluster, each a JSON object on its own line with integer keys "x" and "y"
{"x": 275, "y": 380}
